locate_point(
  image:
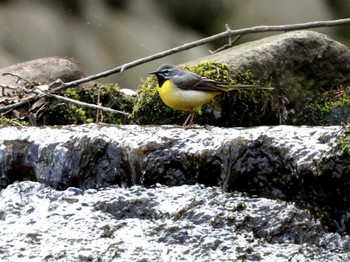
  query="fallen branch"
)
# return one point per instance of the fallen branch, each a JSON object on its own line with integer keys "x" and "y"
{"x": 40, "y": 93}
{"x": 83, "y": 104}
{"x": 12, "y": 106}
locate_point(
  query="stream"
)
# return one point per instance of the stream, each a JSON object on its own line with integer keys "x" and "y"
{"x": 144, "y": 193}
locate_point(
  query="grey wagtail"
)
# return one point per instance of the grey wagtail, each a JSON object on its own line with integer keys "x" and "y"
{"x": 187, "y": 91}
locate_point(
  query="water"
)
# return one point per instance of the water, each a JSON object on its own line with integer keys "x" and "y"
{"x": 134, "y": 193}
{"x": 182, "y": 223}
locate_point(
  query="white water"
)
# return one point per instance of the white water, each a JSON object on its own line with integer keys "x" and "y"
{"x": 186, "y": 223}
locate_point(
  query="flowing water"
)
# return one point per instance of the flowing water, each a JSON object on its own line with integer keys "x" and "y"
{"x": 182, "y": 223}
{"x": 133, "y": 193}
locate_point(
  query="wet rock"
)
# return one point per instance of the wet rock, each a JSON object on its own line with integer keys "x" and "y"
{"x": 93, "y": 156}
{"x": 190, "y": 223}
{"x": 285, "y": 162}
{"x": 302, "y": 64}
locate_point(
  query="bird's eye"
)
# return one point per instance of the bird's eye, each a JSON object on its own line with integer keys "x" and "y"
{"x": 166, "y": 72}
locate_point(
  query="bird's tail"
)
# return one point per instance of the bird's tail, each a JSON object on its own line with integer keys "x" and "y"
{"x": 245, "y": 87}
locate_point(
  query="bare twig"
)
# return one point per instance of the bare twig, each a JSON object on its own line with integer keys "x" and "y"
{"x": 12, "y": 106}
{"x": 229, "y": 44}
{"x": 40, "y": 93}
{"x": 19, "y": 78}
{"x": 79, "y": 103}
{"x": 8, "y": 87}
{"x": 98, "y": 112}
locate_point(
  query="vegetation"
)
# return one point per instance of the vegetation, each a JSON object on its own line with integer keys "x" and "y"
{"x": 332, "y": 109}
{"x": 109, "y": 96}
{"x": 235, "y": 108}
{"x": 11, "y": 122}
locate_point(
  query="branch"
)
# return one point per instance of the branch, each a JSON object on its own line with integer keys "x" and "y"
{"x": 227, "y": 33}
{"x": 83, "y": 104}
{"x": 12, "y": 106}
{"x": 39, "y": 93}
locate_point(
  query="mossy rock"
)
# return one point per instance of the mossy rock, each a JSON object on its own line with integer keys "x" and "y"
{"x": 331, "y": 107}
{"x": 302, "y": 64}
{"x": 63, "y": 113}
{"x": 236, "y": 108}
{"x": 329, "y": 187}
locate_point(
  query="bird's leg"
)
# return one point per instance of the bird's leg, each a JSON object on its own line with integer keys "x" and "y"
{"x": 192, "y": 117}
{"x": 188, "y": 118}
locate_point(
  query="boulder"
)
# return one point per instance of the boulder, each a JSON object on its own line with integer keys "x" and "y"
{"x": 43, "y": 70}
{"x": 302, "y": 65}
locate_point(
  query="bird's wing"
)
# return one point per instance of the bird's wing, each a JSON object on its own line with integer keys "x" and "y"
{"x": 192, "y": 81}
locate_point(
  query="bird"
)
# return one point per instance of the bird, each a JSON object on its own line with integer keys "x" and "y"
{"x": 187, "y": 91}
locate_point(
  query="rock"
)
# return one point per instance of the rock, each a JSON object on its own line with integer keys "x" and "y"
{"x": 294, "y": 163}
{"x": 183, "y": 223}
{"x": 302, "y": 65}
{"x": 17, "y": 97}
{"x": 43, "y": 70}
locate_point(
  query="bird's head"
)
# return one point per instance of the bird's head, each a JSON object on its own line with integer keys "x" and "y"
{"x": 165, "y": 72}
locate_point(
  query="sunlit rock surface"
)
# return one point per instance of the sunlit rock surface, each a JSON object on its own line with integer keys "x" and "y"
{"x": 181, "y": 223}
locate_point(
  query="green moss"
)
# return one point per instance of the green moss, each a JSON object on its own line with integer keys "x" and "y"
{"x": 180, "y": 213}
{"x": 330, "y": 188}
{"x": 243, "y": 108}
{"x": 69, "y": 113}
{"x": 332, "y": 108}
{"x": 11, "y": 122}
{"x": 343, "y": 142}
{"x": 231, "y": 217}
{"x": 240, "y": 206}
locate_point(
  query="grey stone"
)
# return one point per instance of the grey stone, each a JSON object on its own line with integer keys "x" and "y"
{"x": 286, "y": 162}
{"x": 42, "y": 70}
{"x": 301, "y": 63}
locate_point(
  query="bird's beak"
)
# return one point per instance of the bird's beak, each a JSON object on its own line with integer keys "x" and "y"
{"x": 153, "y": 73}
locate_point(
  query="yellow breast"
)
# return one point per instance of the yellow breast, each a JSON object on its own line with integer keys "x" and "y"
{"x": 186, "y": 100}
